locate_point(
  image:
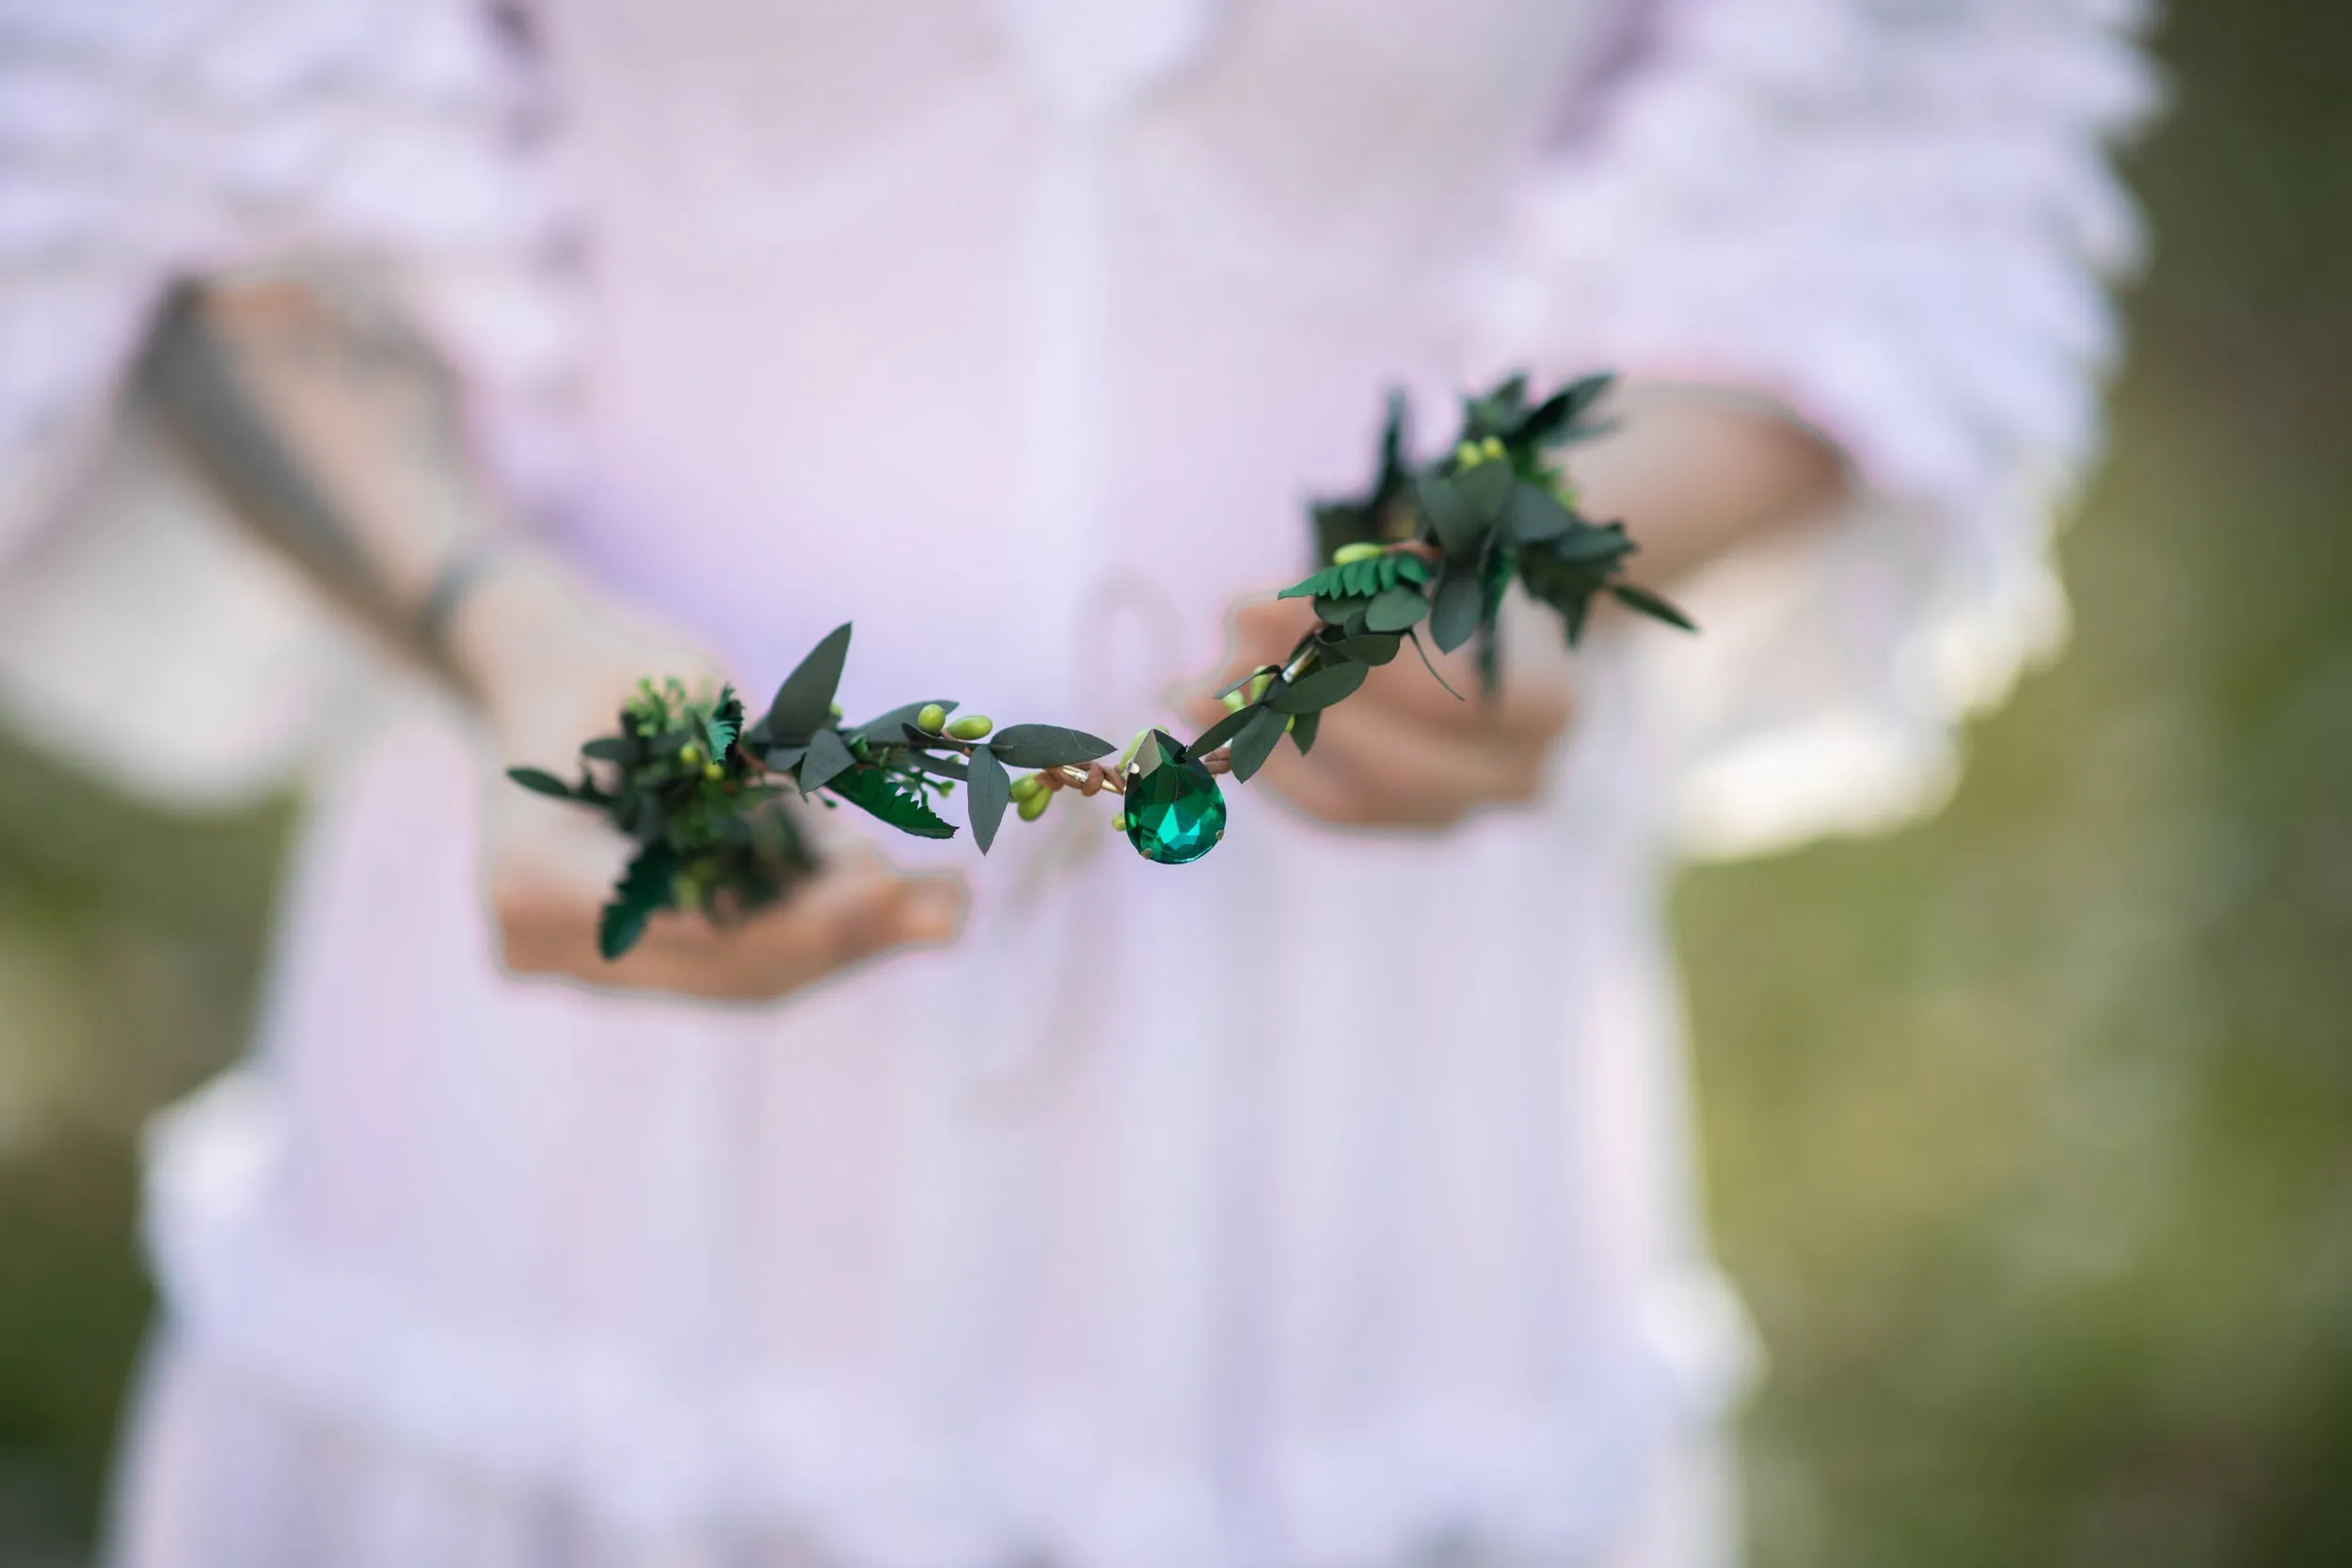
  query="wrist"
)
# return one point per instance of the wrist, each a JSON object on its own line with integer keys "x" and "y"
{"x": 506, "y": 622}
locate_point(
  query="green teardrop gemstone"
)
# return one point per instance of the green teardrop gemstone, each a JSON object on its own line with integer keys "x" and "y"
{"x": 1175, "y": 813}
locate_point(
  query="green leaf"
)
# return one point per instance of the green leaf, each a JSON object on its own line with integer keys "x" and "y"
{"x": 1485, "y": 487}
{"x": 1047, "y": 746}
{"x": 1256, "y": 741}
{"x": 1634, "y": 596}
{"x": 1222, "y": 731}
{"x": 948, "y": 766}
{"x": 804, "y": 701}
{"x": 1303, "y": 730}
{"x": 1533, "y": 513}
{"x": 1324, "y": 584}
{"x": 1395, "y": 609}
{"x": 612, "y": 747}
{"x": 872, "y": 790}
{"x": 1317, "y": 689}
{"x": 540, "y": 782}
{"x": 1551, "y": 419}
{"x": 990, "y": 792}
{"x": 888, "y": 727}
{"x": 1339, "y": 611}
{"x": 826, "y": 759}
{"x": 720, "y": 733}
{"x": 1360, "y": 578}
{"x": 649, "y": 883}
{"x": 1459, "y": 529}
{"x": 1260, "y": 670}
{"x": 1454, "y": 610}
{"x": 1592, "y": 542}
{"x": 781, "y": 758}
{"x": 1371, "y": 648}
{"x": 1410, "y": 567}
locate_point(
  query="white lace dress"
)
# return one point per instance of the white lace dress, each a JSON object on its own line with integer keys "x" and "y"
{"x": 1150, "y": 1224}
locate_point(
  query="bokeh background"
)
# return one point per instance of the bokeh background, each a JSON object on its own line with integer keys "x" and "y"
{"x": 2028, "y": 1129}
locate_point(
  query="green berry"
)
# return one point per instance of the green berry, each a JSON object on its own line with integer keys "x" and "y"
{"x": 972, "y": 726}
{"x": 1118, "y": 823}
{"x": 837, "y": 710}
{"x": 1234, "y": 702}
{"x": 1034, "y": 807}
{"x": 712, "y": 770}
{"x": 1364, "y": 549}
{"x": 690, "y": 753}
{"x": 931, "y": 719}
{"x": 1026, "y": 785}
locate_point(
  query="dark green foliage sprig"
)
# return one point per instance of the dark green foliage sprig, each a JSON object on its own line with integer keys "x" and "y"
{"x": 702, "y": 792}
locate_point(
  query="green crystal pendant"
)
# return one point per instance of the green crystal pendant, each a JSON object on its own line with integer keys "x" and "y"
{"x": 1175, "y": 813}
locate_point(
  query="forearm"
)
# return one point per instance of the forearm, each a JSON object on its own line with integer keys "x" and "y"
{"x": 1694, "y": 474}
{"x": 335, "y": 434}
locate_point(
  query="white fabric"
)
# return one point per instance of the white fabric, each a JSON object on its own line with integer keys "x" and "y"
{"x": 145, "y": 140}
{"x": 1150, "y": 1223}
{"x": 1894, "y": 218}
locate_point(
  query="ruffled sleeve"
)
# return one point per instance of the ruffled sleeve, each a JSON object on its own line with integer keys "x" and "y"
{"x": 142, "y": 141}
{"x": 1896, "y": 220}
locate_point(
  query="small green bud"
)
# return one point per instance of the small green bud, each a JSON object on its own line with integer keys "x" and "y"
{"x": 1034, "y": 807}
{"x": 972, "y": 726}
{"x": 1364, "y": 549}
{"x": 946, "y": 787}
{"x": 1026, "y": 785}
{"x": 1118, "y": 823}
{"x": 1258, "y": 687}
{"x": 690, "y": 753}
{"x": 1468, "y": 455}
{"x": 932, "y": 718}
{"x": 1491, "y": 446}
{"x": 712, "y": 770}
{"x": 1234, "y": 702}
{"x": 837, "y": 710}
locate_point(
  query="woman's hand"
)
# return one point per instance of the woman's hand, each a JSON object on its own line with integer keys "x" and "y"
{"x": 1403, "y": 751}
{"x": 552, "y": 667}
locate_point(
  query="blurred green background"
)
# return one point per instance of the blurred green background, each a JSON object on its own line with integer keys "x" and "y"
{"x": 2029, "y": 1130}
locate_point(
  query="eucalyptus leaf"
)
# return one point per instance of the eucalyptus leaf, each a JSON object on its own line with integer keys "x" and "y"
{"x": 1485, "y": 487}
{"x": 781, "y": 758}
{"x": 1371, "y": 648}
{"x": 1634, "y": 596}
{"x": 1222, "y": 731}
{"x": 1593, "y": 542}
{"x": 1395, "y": 609}
{"x": 1047, "y": 746}
{"x": 540, "y": 782}
{"x": 1459, "y": 528}
{"x": 1317, "y": 689}
{"x": 1260, "y": 670}
{"x": 1454, "y": 610}
{"x": 1303, "y": 730}
{"x": 991, "y": 791}
{"x": 1552, "y": 419}
{"x": 804, "y": 701}
{"x": 612, "y": 747}
{"x": 1533, "y": 513}
{"x": 1257, "y": 739}
{"x": 826, "y": 759}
